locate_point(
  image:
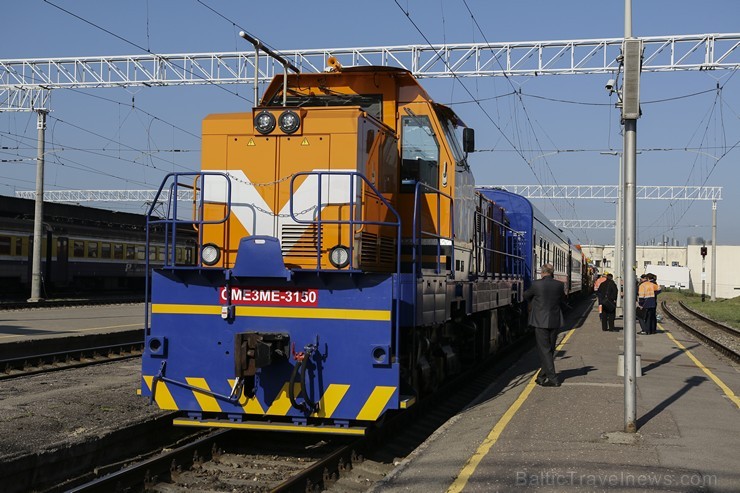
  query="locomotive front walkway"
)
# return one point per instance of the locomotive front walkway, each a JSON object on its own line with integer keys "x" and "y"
{"x": 520, "y": 436}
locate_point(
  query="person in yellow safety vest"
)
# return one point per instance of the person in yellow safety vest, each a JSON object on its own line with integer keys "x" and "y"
{"x": 647, "y": 300}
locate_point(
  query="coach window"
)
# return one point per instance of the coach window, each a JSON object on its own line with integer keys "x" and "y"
{"x": 78, "y": 248}
{"x": 5, "y": 245}
{"x": 160, "y": 253}
{"x": 92, "y": 249}
{"x": 130, "y": 252}
{"x": 19, "y": 246}
{"x": 419, "y": 151}
{"x": 118, "y": 251}
{"x": 105, "y": 250}
{"x": 179, "y": 255}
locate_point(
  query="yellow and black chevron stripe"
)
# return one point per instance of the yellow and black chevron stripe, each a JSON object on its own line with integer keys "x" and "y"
{"x": 330, "y": 400}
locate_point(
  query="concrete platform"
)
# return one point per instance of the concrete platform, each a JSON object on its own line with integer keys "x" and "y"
{"x": 42, "y": 323}
{"x": 520, "y": 436}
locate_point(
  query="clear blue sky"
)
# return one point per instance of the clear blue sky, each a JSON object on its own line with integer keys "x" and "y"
{"x": 115, "y": 143}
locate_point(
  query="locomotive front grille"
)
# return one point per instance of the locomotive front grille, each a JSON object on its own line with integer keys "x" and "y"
{"x": 299, "y": 240}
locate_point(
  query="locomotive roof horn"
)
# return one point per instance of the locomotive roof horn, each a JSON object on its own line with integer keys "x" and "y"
{"x": 334, "y": 65}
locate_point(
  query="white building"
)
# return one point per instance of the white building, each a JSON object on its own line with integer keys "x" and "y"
{"x": 728, "y": 264}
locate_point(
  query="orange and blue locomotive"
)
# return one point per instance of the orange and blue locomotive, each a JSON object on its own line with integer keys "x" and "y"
{"x": 347, "y": 265}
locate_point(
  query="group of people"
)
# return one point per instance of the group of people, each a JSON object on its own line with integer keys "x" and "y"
{"x": 546, "y": 298}
{"x": 647, "y": 302}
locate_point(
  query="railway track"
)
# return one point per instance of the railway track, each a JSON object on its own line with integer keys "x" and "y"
{"x": 46, "y": 355}
{"x": 722, "y": 337}
{"x": 233, "y": 460}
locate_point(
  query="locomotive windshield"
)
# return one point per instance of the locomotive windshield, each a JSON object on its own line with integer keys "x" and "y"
{"x": 420, "y": 151}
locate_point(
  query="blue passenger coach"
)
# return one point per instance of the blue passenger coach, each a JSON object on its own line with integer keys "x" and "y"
{"x": 542, "y": 242}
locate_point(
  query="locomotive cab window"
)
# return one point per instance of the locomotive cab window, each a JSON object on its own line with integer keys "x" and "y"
{"x": 420, "y": 153}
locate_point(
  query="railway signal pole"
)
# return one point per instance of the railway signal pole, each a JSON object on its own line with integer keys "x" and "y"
{"x": 38, "y": 216}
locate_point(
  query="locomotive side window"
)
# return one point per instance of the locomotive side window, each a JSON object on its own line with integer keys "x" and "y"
{"x": 419, "y": 151}
{"x": 118, "y": 251}
{"x": 105, "y": 250}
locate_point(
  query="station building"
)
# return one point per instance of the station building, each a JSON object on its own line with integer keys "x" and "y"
{"x": 681, "y": 257}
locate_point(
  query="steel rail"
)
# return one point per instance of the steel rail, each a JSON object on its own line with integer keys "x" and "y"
{"x": 734, "y": 355}
{"x": 730, "y": 330}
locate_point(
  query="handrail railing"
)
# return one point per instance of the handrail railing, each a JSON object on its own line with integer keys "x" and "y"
{"x": 516, "y": 265}
{"x": 418, "y": 233}
{"x": 352, "y": 221}
{"x": 171, "y": 221}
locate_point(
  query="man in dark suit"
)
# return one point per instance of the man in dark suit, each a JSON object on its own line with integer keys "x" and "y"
{"x": 608, "y": 300}
{"x": 546, "y": 296}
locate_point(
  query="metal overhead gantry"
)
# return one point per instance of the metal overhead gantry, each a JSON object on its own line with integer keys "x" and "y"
{"x": 610, "y": 192}
{"x": 527, "y": 58}
{"x": 599, "y": 192}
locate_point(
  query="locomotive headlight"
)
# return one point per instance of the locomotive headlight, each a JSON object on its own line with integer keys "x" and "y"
{"x": 210, "y": 254}
{"x": 339, "y": 256}
{"x": 264, "y": 122}
{"x": 289, "y": 121}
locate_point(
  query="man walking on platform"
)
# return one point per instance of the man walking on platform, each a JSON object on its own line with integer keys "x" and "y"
{"x": 546, "y": 296}
{"x": 608, "y": 300}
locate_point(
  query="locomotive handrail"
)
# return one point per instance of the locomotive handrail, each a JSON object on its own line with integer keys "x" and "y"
{"x": 517, "y": 260}
{"x": 171, "y": 222}
{"x": 416, "y": 225}
{"x": 318, "y": 221}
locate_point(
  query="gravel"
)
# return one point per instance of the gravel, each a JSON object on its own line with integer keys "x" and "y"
{"x": 63, "y": 408}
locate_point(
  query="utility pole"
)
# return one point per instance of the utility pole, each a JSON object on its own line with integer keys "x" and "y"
{"x": 632, "y": 54}
{"x": 703, "y": 272}
{"x": 714, "y": 251}
{"x": 38, "y": 216}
